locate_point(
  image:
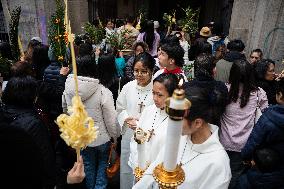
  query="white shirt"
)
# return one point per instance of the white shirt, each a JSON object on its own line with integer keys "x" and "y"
{"x": 128, "y": 100}
{"x": 184, "y": 44}
{"x": 127, "y": 106}
{"x": 206, "y": 165}
{"x": 147, "y": 123}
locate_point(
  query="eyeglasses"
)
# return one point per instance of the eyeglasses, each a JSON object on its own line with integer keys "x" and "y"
{"x": 142, "y": 73}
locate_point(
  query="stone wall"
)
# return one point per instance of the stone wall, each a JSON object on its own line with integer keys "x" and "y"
{"x": 260, "y": 24}
{"x": 36, "y": 14}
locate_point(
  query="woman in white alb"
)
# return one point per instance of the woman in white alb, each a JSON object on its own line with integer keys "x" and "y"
{"x": 133, "y": 98}
{"x": 202, "y": 156}
{"x": 155, "y": 119}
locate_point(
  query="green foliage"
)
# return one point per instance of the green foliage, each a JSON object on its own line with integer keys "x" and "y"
{"x": 188, "y": 70}
{"x": 189, "y": 23}
{"x": 118, "y": 40}
{"x": 96, "y": 34}
{"x": 13, "y": 32}
{"x": 143, "y": 12}
{"x": 169, "y": 19}
{"x": 56, "y": 33}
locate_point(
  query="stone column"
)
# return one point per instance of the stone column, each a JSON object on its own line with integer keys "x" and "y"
{"x": 260, "y": 24}
{"x": 78, "y": 14}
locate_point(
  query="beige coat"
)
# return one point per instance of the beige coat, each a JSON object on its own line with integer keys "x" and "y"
{"x": 99, "y": 104}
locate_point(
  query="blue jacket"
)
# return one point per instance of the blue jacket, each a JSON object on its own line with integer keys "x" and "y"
{"x": 52, "y": 72}
{"x": 268, "y": 132}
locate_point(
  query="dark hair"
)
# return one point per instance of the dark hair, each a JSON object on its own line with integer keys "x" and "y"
{"x": 236, "y": 45}
{"x": 207, "y": 103}
{"x": 280, "y": 86}
{"x": 96, "y": 22}
{"x": 241, "y": 73}
{"x": 20, "y": 91}
{"x": 218, "y": 30}
{"x": 22, "y": 68}
{"x": 173, "y": 49}
{"x": 85, "y": 49}
{"x": 86, "y": 67}
{"x": 172, "y": 39}
{"x": 261, "y": 68}
{"x": 266, "y": 160}
{"x": 29, "y": 53}
{"x": 119, "y": 23}
{"x": 40, "y": 60}
{"x": 170, "y": 81}
{"x": 130, "y": 19}
{"x": 106, "y": 69}
{"x": 149, "y": 35}
{"x": 5, "y": 50}
{"x": 200, "y": 46}
{"x": 204, "y": 65}
{"x": 141, "y": 44}
{"x": 147, "y": 60}
{"x": 259, "y": 51}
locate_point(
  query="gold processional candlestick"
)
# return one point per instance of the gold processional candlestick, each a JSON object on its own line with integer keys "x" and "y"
{"x": 169, "y": 174}
{"x": 141, "y": 137}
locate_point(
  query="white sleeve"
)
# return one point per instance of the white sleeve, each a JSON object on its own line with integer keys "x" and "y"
{"x": 121, "y": 105}
{"x": 133, "y": 157}
{"x": 147, "y": 181}
{"x": 64, "y": 103}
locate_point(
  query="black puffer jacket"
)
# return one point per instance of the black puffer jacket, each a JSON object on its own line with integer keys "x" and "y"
{"x": 25, "y": 123}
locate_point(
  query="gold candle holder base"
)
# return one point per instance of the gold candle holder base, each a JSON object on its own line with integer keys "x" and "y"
{"x": 168, "y": 179}
{"x": 138, "y": 173}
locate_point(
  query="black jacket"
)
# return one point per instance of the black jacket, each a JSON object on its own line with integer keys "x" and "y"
{"x": 254, "y": 179}
{"x": 28, "y": 150}
{"x": 50, "y": 96}
{"x": 219, "y": 88}
{"x": 270, "y": 88}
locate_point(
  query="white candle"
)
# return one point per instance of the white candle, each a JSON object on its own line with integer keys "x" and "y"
{"x": 141, "y": 156}
{"x": 141, "y": 147}
{"x": 174, "y": 130}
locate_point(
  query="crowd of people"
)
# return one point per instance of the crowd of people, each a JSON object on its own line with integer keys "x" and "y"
{"x": 224, "y": 143}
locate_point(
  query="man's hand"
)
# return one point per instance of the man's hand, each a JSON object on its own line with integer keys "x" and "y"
{"x": 76, "y": 174}
{"x": 131, "y": 122}
{"x": 64, "y": 71}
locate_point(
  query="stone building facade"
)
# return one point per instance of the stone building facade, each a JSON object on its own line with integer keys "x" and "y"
{"x": 259, "y": 23}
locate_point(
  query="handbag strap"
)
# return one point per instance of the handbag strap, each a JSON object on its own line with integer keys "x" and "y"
{"x": 112, "y": 147}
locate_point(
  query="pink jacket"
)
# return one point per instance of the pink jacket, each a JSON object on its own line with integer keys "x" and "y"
{"x": 237, "y": 123}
